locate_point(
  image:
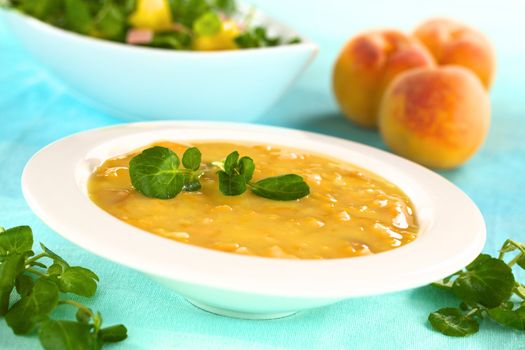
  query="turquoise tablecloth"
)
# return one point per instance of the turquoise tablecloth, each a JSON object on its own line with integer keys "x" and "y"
{"x": 36, "y": 110}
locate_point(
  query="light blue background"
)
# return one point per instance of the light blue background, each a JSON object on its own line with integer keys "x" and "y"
{"x": 36, "y": 110}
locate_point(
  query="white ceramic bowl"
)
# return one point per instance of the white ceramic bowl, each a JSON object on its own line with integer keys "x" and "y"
{"x": 147, "y": 83}
{"x": 452, "y": 228}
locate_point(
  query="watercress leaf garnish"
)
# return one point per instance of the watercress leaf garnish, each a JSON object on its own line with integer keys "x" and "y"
{"x": 67, "y": 335}
{"x": 282, "y": 187}
{"x": 191, "y": 182}
{"x": 16, "y": 240}
{"x": 155, "y": 173}
{"x": 113, "y": 334}
{"x": 508, "y": 317}
{"x": 78, "y": 280}
{"x": 231, "y": 185}
{"x": 207, "y": 24}
{"x": 452, "y": 322}
{"x": 24, "y": 284}
{"x": 24, "y": 314}
{"x": 246, "y": 168}
{"x": 11, "y": 267}
{"x": 191, "y": 159}
{"x": 231, "y": 162}
{"x": 487, "y": 281}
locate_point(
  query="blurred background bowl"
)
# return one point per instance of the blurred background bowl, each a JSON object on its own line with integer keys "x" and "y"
{"x": 147, "y": 83}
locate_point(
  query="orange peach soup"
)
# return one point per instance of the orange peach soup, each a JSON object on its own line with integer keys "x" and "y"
{"x": 349, "y": 212}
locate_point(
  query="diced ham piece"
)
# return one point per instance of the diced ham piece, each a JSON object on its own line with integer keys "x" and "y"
{"x": 139, "y": 36}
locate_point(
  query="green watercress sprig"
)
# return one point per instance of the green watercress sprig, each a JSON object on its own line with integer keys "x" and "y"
{"x": 487, "y": 288}
{"x": 156, "y": 173}
{"x": 41, "y": 287}
{"x": 236, "y": 174}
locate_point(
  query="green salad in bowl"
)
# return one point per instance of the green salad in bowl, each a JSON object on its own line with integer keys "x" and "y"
{"x": 201, "y": 25}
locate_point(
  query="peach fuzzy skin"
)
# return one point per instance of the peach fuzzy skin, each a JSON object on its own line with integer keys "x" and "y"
{"x": 451, "y": 42}
{"x": 366, "y": 65}
{"x": 437, "y": 117}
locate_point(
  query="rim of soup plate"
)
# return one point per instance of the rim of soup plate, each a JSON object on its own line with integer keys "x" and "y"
{"x": 452, "y": 230}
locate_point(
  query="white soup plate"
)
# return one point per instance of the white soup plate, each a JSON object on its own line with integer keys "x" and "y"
{"x": 452, "y": 230}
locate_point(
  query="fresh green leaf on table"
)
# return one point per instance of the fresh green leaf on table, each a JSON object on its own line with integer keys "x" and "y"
{"x": 17, "y": 240}
{"x": 67, "y": 335}
{"x": 451, "y": 321}
{"x": 23, "y": 316}
{"x": 24, "y": 285}
{"x": 508, "y": 317}
{"x": 10, "y": 268}
{"x": 487, "y": 281}
{"x": 39, "y": 297}
{"x": 78, "y": 280}
{"x": 487, "y": 288}
{"x": 114, "y": 334}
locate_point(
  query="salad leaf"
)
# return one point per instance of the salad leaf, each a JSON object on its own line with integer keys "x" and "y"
{"x": 78, "y": 16}
{"x": 207, "y": 24}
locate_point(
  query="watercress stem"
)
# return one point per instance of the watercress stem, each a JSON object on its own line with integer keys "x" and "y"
{"x": 510, "y": 242}
{"x": 515, "y": 259}
{"x": 78, "y": 306}
{"x": 36, "y": 272}
{"x": 517, "y": 290}
{"x": 35, "y": 258}
{"x": 472, "y": 312}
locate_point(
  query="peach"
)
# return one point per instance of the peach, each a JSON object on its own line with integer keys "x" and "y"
{"x": 454, "y": 43}
{"x": 367, "y": 64}
{"x": 437, "y": 117}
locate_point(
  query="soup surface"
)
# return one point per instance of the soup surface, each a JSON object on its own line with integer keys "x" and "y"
{"x": 349, "y": 212}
